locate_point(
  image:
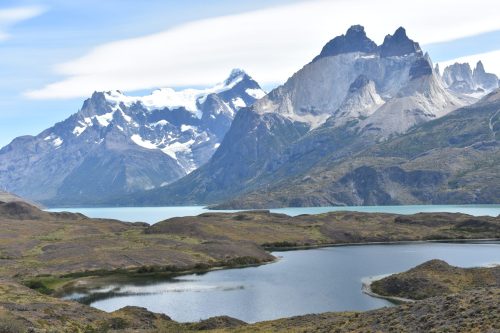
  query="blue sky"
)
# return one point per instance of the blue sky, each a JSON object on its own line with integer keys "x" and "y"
{"x": 54, "y": 53}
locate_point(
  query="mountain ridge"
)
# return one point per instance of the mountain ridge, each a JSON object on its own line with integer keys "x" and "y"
{"x": 450, "y": 160}
{"x": 116, "y": 144}
{"x": 311, "y": 117}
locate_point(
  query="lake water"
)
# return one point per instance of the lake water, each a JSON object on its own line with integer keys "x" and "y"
{"x": 155, "y": 214}
{"x": 301, "y": 282}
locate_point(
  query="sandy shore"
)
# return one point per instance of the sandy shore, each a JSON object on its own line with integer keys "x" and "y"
{"x": 366, "y": 288}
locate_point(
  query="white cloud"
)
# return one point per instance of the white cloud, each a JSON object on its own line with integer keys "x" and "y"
{"x": 270, "y": 44}
{"x": 490, "y": 60}
{"x": 12, "y": 16}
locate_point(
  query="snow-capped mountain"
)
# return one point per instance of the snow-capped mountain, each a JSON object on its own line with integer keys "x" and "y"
{"x": 354, "y": 94}
{"x": 402, "y": 90}
{"x": 460, "y": 78}
{"x": 117, "y": 143}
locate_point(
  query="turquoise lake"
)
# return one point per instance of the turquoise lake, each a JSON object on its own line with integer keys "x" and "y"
{"x": 156, "y": 214}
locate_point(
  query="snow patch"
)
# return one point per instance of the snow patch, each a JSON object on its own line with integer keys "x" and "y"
{"x": 57, "y": 142}
{"x": 177, "y": 147}
{"x": 136, "y": 138}
{"x": 160, "y": 123}
{"x": 256, "y": 93}
{"x": 239, "y": 102}
{"x": 170, "y": 98}
{"x": 105, "y": 119}
{"x": 185, "y": 128}
{"x": 79, "y": 130}
{"x": 127, "y": 118}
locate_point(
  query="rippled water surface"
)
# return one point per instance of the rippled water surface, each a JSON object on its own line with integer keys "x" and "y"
{"x": 301, "y": 282}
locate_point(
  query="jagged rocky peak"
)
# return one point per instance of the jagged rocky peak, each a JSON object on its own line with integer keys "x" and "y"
{"x": 460, "y": 78}
{"x": 236, "y": 75}
{"x": 94, "y": 105}
{"x": 355, "y": 40}
{"x": 398, "y": 69}
{"x": 479, "y": 68}
{"x": 486, "y": 81}
{"x": 457, "y": 72}
{"x": 437, "y": 70}
{"x": 399, "y": 45}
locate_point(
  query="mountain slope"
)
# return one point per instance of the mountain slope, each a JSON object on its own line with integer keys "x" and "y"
{"x": 117, "y": 144}
{"x": 353, "y": 95}
{"x": 454, "y": 159}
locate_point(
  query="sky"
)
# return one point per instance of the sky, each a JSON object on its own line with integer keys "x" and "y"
{"x": 55, "y": 53}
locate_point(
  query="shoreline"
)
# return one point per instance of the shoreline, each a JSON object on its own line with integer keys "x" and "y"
{"x": 89, "y": 282}
{"x": 366, "y": 289}
{"x": 93, "y": 281}
{"x": 326, "y": 245}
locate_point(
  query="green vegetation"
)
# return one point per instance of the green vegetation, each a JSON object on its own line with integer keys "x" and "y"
{"x": 44, "y": 254}
{"x": 436, "y": 278}
{"x": 8, "y": 324}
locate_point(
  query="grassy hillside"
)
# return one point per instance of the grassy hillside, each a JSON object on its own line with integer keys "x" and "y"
{"x": 436, "y": 278}
{"x": 42, "y": 254}
{"x": 9, "y": 197}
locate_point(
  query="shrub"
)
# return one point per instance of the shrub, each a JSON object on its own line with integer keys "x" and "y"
{"x": 11, "y": 325}
{"x": 38, "y": 286}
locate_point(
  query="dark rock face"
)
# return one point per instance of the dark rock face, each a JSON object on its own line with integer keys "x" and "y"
{"x": 420, "y": 68}
{"x": 355, "y": 40}
{"x": 360, "y": 82}
{"x": 367, "y": 185}
{"x": 399, "y": 45}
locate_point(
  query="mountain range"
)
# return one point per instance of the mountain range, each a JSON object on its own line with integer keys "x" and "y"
{"x": 361, "y": 124}
{"x": 118, "y": 144}
{"x": 338, "y": 133}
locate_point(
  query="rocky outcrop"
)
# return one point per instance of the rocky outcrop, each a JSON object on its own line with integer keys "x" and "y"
{"x": 460, "y": 78}
{"x": 399, "y": 45}
{"x": 355, "y": 40}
